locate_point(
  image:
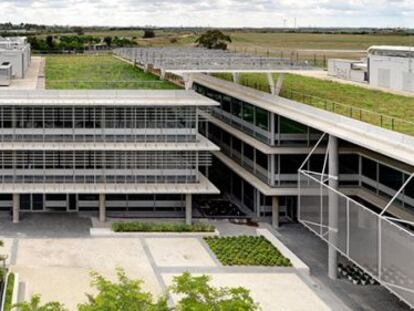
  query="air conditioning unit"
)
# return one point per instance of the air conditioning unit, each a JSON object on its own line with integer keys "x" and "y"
{"x": 5, "y": 74}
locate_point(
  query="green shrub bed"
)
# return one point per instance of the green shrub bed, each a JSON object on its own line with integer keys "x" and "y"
{"x": 9, "y": 292}
{"x": 159, "y": 227}
{"x": 246, "y": 251}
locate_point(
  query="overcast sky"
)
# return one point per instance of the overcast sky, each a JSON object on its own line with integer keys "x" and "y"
{"x": 227, "y": 13}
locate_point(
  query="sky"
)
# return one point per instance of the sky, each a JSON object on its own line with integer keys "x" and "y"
{"x": 212, "y": 13}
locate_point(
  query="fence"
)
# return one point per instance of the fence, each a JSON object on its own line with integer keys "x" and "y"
{"x": 381, "y": 247}
{"x": 363, "y": 115}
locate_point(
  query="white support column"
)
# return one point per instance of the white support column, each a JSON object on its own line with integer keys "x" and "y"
{"x": 333, "y": 206}
{"x": 188, "y": 209}
{"x": 146, "y": 67}
{"x": 102, "y": 207}
{"x": 188, "y": 81}
{"x": 236, "y": 77}
{"x": 275, "y": 212}
{"x": 16, "y": 208}
{"x": 163, "y": 74}
{"x": 279, "y": 84}
{"x": 271, "y": 82}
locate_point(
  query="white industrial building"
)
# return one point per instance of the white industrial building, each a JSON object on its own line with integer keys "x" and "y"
{"x": 389, "y": 67}
{"x": 16, "y": 52}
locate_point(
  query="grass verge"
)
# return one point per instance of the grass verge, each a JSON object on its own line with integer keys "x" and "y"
{"x": 387, "y": 110}
{"x": 159, "y": 227}
{"x": 98, "y": 72}
{"x": 246, "y": 251}
{"x": 9, "y": 293}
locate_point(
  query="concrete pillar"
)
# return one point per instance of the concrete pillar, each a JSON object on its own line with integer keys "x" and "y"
{"x": 275, "y": 212}
{"x": 146, "y": 67}
{"x": 236, "y": 77}
{"x": 188, "y": 209}
{"x": 271, "y": 82}
{"x": 188, "y": 81}
{"x": 163, "y": 74}
{"x": 102, "y": 207}
{"x": 333, "y": 206}
{"x": 16, "y": 208}
{"x": 279, "y": 84}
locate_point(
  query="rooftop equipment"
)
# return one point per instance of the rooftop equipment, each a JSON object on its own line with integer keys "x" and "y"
{"x": 5, "y": 74}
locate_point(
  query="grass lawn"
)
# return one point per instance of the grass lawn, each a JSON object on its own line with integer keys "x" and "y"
{"x": 338, "y": 97}
{"x": 246, "y": 251}
{"x": 98, "y": 72}
{"x": 160, "y": 227}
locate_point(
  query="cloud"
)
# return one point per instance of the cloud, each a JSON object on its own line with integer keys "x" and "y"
{"x": 226, "y": 13}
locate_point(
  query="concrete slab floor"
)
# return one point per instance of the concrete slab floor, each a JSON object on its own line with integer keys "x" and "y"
{"x": 30, "y": 82}
{"x": 273, "y": 291}
{"x": 314, "y": 252}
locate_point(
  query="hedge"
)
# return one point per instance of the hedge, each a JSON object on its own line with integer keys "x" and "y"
{"x": 160, "y": 227}
{"x": 9, "y": 292}
{"x": 246, "y": 251}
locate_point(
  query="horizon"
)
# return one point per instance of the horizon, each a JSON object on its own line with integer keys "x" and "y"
{"x": 220, "y": 13}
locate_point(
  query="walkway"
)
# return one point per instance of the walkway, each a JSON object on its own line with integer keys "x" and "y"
{"x": 314, "y": 252}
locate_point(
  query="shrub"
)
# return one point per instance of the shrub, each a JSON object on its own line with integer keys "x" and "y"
{"x": 160, "y": 227}
{"x": 246, "y": 251}
{"x": 9, "y": 292}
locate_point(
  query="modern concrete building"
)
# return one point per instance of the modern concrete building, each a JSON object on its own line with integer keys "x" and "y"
{"x": 391, "y": 67}
{"x": 102, "y": 150}
{"x": 16, "y": 52}
{"x": 349, "y": 182}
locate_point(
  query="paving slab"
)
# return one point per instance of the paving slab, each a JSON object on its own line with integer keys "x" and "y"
{"x": 273, "y": 291}
{"x": 59, "y": 269}
{"x": 179, "y": 252}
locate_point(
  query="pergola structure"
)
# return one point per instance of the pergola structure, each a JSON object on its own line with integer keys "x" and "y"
{"x": 185, "y": 61}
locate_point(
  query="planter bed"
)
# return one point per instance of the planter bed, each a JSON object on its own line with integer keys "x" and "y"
{"x": 160, "y": 227}
{"x": 246, "y": 251}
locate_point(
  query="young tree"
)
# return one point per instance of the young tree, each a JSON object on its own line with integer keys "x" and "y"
{"x": 49, "y": 41}
{"x": 126, "y": 295}
{"x": 197, "y": 294}
{"x": 213, "y": 40}
{"x": 148, "y": 33}
{"x": 34, "y": 305}
{"x": 108, "y": 40}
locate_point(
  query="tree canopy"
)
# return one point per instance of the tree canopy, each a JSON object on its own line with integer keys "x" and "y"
{"x": 214, "y": 40}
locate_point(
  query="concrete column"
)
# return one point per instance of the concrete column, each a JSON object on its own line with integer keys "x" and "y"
{"x": 275, "y": 212}
{"x": 333, "y": 206}
{"x": 102, "y": 207}
{"x": 236, "y": 77}
{"x": 279, "y": 84}
{"x": 163, "y": 74}
{"x": 188, "y": 209}
{"x": 16, "y": 208}
{"x": 271, "y": 82}
{"x": 146, "y": 67}
{"x": 188, "y": 81}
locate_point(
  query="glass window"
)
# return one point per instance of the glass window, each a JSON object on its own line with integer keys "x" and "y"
{"x": 409, "y": 189}
{"x": 226, "y": 103}
{"x": 316, "y": 163}
{"x": 262, "y": 118}
{"x": 288, "y": 126}
{"x": 348, "y": 164}
{"x": 248, "y": 151}
{"x": 226, "y": 138}
{"x": 369, "y": 168}
{"x": 390, "y": 177}
{"x": 236, "y": 144}
{"x": 248, "y": 113}
{"x": 289, "y": 164}
{"x": 236, "y": 107}
{"x": 261, "y": 159}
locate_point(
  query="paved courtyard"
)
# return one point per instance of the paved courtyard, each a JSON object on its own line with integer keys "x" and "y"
{"x": 58, "y": 268}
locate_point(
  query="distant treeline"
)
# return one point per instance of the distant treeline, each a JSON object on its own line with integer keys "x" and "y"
{"x": 77, "y": 43}
{"x": 7, "y": 29}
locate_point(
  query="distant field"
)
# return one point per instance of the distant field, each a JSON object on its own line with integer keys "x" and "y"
{"x": 343, "y": 99}
{"x": 97, "y": 72}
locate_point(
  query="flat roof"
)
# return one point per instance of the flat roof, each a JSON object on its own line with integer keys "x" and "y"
{"x": 208, "y": 60}
{"x": 145, "y": 98}
{"x": 391, "y": 48}
{"x": 389, "y": 143}
{"x": 204, "y": 186}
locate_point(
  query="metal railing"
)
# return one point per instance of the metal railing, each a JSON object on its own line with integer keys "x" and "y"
{"x": 380, "y": 245}
{"x": 364, "y": 115}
